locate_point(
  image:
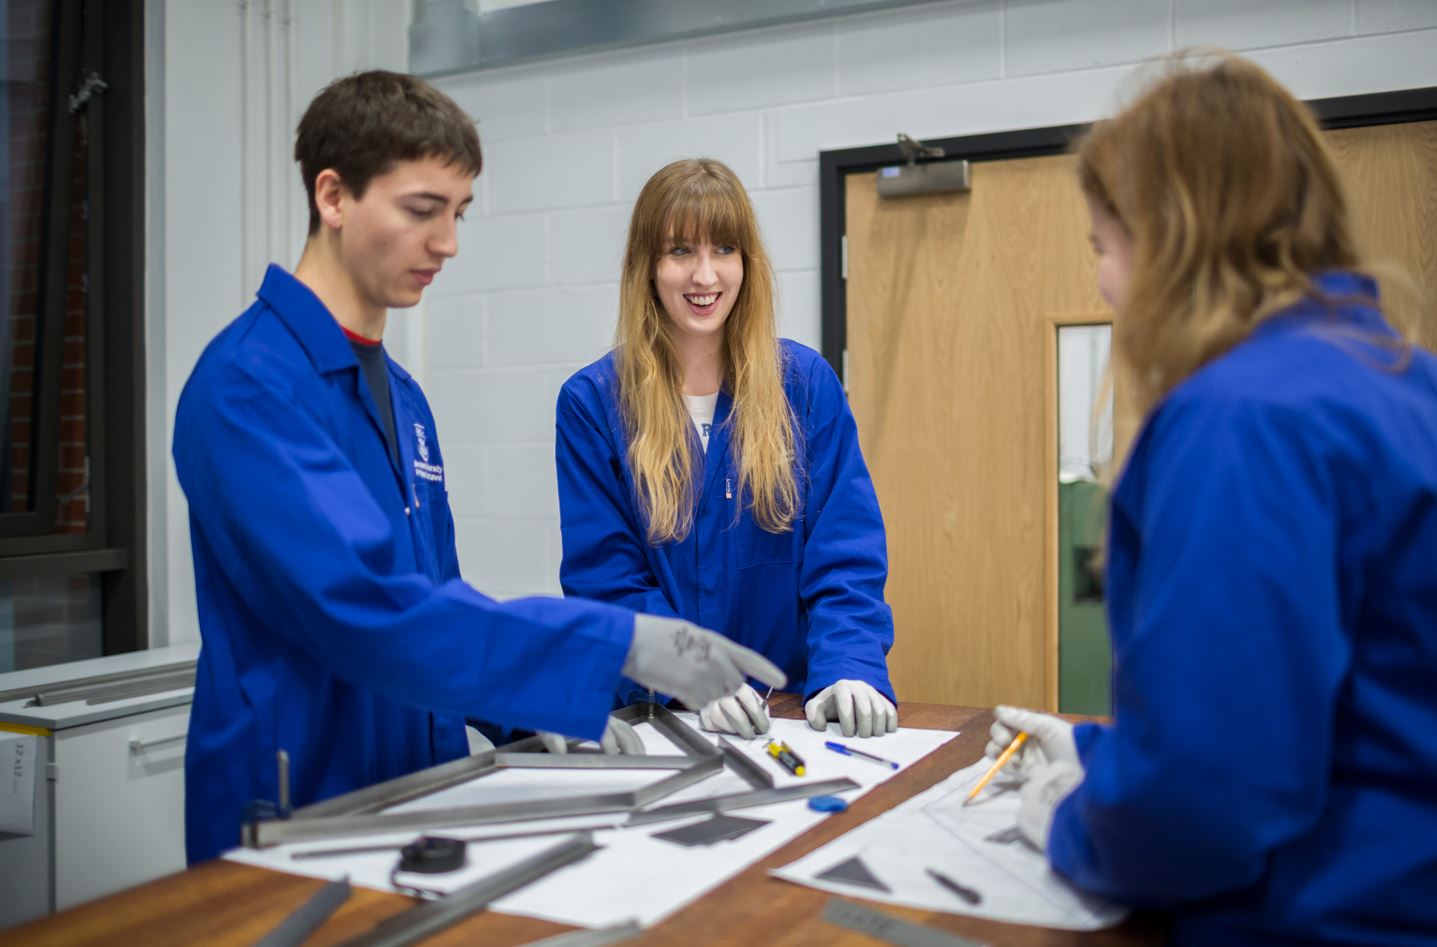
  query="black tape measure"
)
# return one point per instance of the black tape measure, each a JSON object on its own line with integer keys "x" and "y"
{"x": 433, "y": 854}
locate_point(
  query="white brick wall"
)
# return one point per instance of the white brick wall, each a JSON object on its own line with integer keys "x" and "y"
{"x": 533, "y": 293}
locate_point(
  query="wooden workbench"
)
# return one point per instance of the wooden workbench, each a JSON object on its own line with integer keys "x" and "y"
{"x": 222, "y": 902}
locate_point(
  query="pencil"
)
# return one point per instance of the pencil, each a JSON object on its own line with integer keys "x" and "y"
{"x": 998, "y": 764}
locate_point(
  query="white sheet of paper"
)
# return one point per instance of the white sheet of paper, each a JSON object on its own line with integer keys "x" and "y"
{"x": 970, "y": 845}
{"x": 17, "y": 784}
{"x": 634, "y": 876}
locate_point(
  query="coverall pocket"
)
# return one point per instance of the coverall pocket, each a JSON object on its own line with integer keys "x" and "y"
{"x": 758, "y": 547}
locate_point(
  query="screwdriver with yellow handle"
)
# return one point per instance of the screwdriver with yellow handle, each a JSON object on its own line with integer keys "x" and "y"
{"x": 998, "y": 764}
{"x": 788, "y": 759}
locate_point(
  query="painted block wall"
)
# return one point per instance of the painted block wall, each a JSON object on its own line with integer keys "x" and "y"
{"x": 532, "y": 295}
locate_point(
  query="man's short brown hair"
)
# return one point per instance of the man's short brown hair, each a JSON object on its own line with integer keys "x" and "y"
{"x": 363, "y": 125}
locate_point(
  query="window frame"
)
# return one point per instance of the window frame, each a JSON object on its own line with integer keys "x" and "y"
{"x": 107, "y": 39}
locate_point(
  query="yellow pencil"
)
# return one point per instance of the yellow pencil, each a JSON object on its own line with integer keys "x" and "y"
{"x": 998, "y": 764}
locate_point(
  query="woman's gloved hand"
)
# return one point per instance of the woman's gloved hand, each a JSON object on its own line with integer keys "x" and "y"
{"x": 743, "y": 713}
{"x": 856, "y": 705}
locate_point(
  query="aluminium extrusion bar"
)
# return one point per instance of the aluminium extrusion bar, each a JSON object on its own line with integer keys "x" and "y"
{"x": 667, "y": 722}
{"x": 392, "y": 792}
{"x": 281, "y": 831}
{"x": 151, "y": 685}
{"x": 78, "y": 689}
{"x": 309, "y": 917}
{"x": 506, "y": 760}
{"x": 740, "y": 800}
{"x": 738, "y": 761}
{"x": 695, "y": 772}
{"x": 430, "y": 917}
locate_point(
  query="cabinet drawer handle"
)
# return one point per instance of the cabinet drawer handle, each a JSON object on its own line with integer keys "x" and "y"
{"x": 138, "y": 746}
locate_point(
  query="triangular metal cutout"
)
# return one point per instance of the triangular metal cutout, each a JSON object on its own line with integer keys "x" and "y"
{"x": 852, "y": 871}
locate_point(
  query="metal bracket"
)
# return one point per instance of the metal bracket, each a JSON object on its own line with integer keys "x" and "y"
{"x": 923, "y": 172}
{"x": 90, "y": 84}
{"x": 913, "y": 150}
{"x": 362, "y": 812}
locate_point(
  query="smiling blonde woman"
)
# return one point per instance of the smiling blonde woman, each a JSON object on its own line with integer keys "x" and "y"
{"x": 711, "y": 471}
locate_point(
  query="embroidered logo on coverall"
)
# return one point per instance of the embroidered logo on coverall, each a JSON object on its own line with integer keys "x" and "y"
{"x": 422, "y": 466}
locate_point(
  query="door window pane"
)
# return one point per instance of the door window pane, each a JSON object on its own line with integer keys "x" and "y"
{"x": 24, "y": 114}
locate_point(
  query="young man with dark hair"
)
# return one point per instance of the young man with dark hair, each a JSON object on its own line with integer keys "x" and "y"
{"x": 333, "y": 620}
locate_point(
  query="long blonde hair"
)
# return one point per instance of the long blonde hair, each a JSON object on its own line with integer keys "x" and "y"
{"x": 701, "y": 200}
{"x": 1232, "y": 200}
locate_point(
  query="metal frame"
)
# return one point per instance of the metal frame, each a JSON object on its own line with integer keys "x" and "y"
{"x": 361, "y": 812}
{"x": 105, "y": 37}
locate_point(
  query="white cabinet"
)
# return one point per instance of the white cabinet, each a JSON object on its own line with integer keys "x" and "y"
{"x": 109, "y": 798}
{"x": 119, "y": 797}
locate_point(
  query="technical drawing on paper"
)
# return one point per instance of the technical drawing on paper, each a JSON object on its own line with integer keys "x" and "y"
{"x": 977, "y": 846}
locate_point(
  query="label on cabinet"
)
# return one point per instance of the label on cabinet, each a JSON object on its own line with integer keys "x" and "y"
{"x": 17, "y": 784}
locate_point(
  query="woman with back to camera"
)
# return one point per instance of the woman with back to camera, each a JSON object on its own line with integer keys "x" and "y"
{"x": 1271, "y": 769}
{"x": 710, "y": 470}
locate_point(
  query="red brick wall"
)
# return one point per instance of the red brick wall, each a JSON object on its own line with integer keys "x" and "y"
{"x": 26, "y": 63}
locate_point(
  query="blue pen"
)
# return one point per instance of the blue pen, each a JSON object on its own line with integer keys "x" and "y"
{"x": 850, "y": 751}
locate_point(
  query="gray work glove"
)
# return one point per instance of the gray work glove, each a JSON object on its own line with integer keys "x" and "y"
{"x": 674, "y": 657}
{"x": 1047, "y": 785}
{"x": 859, "y": 707}
{"x": 743, "y": 713}
{"x": 618, "y": 737}
{"x": 1050, "y": 740}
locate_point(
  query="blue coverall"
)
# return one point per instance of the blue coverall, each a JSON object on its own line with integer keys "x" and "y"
{"x": 810, "y": 599}
{"x": 1271, "y": 773}
{"x": 333, "y": 621}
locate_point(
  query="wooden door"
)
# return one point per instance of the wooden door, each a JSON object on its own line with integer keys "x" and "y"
{"x": 1391, "y": 177}
{"x": 950, "y": 301}
{"x": 949, "y": 298}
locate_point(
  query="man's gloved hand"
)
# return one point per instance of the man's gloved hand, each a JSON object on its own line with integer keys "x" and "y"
{"x": 618, "y": 737}
{"x": 1047, "y": 785}
{"x": 1050, "y": 740}
{"x": 743, "y": 713}
{"x": 856, "y": 705}
{"x": 681, "y": 659}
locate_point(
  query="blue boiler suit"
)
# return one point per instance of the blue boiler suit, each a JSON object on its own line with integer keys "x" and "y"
{"x": 333, "y": 621}
{"x": 810, "y": 599}
{"x": 1271, "y": 774}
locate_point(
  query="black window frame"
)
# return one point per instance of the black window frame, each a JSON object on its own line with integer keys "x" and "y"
{"x": 103, "y": 39}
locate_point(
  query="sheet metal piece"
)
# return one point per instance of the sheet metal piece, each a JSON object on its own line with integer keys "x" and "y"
{"x": 721, "y": 828}
{"x": 852, "y": 871}
{"x": 309, "y": 916}
{"x": 740, "y": 762}
{"x": 741, "y": 800}
{"x": 430, "y": 917}
{"x": 890, "y": 929}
